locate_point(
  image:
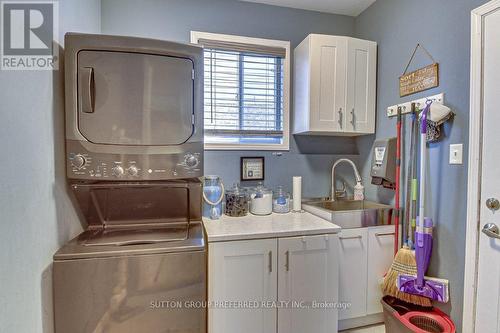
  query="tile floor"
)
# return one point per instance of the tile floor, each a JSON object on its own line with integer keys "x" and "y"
{"x": 368, "y": 329}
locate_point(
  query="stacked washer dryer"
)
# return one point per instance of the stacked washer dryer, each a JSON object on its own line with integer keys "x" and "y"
{"x": 134, "y": 147}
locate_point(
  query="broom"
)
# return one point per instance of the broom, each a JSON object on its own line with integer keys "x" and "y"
{"x": 404, "y": 262}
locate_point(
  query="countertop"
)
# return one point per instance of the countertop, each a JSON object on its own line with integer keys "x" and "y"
{"x": 269, "y": 226}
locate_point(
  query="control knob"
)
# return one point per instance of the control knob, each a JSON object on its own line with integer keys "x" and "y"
{"x": 117, "y": 171}
{"x": 191, "y": 161}
{"x": 132, "y": 170}
{"x": 78, "y": 161}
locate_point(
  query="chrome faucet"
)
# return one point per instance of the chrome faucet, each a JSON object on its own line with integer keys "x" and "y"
{"x": 336, "y": 194}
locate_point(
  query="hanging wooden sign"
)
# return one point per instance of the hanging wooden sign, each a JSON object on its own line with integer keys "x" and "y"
{"x": 419, "y": 80}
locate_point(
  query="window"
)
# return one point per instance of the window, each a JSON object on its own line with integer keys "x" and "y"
{"x": 246, "y": 92}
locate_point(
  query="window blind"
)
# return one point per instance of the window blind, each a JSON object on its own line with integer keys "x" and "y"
{"x": 243, "y": 92}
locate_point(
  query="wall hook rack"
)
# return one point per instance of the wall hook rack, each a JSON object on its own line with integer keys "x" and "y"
{"x": 420, "y": 103}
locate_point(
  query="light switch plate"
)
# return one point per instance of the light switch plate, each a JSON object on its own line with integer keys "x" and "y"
{"x": 456, "y": 153}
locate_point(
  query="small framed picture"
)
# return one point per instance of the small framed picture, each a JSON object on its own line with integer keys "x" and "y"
{"x": 252, "y": 168}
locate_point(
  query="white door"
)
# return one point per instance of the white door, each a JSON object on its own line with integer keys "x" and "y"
{"x": 380, "y": 255}
{"x": 328, "y": 68}
{"x": 488, "y": 284}
{"x": 308, "y": 279}
{"x": 361, "y": 85}
{"x": 353, "y": 249}
{"x": 242, "y": 271}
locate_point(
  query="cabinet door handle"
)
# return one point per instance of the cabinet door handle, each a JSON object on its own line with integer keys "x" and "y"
{"x": 352, "y": 237}
{"x": 270, "y": 261}
{"x": 385, "y": 234}
{"x": 287, "y": 260}
{"x": 340, "y": 117}
{"x": 353, "y": 122}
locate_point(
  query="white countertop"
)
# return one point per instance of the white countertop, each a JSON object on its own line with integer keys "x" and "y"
{"x": 269, "y": 226}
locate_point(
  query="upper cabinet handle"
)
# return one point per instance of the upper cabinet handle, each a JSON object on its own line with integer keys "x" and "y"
{"x": 340, "y": 117}
{"x": 88, "y": 89}
{"x": 353, "y": 121}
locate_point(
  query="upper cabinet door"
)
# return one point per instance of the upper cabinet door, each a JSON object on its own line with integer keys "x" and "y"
{"x": 328, "y": 83}
{"x": 361, "y": 86}
{"x": 242, "y": 271}
{"x": 308, "y": 272}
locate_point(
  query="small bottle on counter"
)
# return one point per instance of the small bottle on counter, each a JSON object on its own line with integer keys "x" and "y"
{"x": 281, "y": 201}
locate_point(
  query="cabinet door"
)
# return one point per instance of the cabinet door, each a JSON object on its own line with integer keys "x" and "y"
{"x": 328, "y": 79}
{"x": 361, "y": 85}
{"x": 242, "y": 271}
{"x": 353, "y": 272}
{"x": 308, "y": 276}
{"x": 380, "y": 255}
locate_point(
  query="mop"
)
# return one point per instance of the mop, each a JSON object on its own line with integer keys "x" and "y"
{"x": 404, "y": 261}
{"x": 432, "y": 288}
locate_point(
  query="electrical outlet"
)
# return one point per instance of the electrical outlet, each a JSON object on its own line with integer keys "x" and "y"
{"x": 456, "y": 153}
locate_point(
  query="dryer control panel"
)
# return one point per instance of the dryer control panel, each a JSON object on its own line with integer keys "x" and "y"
{"x": 85, "y": 165}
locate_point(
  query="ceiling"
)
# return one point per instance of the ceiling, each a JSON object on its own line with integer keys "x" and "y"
{"x": 344, "y": 7}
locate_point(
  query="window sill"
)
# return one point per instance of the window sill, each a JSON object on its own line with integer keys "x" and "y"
{"x": 240, "y": 147}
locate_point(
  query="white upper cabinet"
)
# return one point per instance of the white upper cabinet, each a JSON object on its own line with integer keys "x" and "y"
{"x": 334, "y": 86}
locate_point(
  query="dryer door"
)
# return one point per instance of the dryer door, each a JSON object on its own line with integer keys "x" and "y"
{"x": 134, "y": 99}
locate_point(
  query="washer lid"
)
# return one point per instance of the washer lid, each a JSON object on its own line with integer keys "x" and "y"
{"x": 91, "y": 244}
{"x": 134, "y": 236}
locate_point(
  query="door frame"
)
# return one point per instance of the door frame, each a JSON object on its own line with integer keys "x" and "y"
{"x": 474, "y": 164}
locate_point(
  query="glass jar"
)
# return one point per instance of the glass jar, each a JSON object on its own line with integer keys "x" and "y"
{"x": 261, "y": 202}
{"x": 213, "y": 195}
{"x": 281, "y": 201}
{"x": 237, "y": 201}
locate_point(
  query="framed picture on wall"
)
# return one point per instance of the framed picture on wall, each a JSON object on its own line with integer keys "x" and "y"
{"x": 252, "y": 168}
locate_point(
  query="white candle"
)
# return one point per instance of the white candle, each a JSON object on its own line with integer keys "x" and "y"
{"x": 297, "y": 193}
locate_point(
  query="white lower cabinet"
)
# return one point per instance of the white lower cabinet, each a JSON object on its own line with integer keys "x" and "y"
{"x": 308, "y": 277}
{"x": 287, "y": 274}
{"x": 242, "y": 271}
{"x": 353, "y": 251}
{"x": 380, "y": 256}
{"x": 365, "y": 255}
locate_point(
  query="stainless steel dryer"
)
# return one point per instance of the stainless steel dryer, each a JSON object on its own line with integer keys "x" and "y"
{"x": 134, "y": 146}
{"x": 134, "y": 108}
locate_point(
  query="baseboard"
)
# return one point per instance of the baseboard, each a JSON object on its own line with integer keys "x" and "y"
{"x": 361, "y": 321}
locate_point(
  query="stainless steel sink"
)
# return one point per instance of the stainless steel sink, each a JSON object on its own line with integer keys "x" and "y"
{"x": 350, "y": 214}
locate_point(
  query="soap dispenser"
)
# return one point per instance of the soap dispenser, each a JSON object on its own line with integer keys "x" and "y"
{"x": 359, "y": 192}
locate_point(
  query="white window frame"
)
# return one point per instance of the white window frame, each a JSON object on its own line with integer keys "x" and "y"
{"x": 285, "y": 145}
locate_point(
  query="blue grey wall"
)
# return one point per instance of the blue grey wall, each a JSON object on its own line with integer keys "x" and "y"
{"x": 36, "y": 213}
{"x": 311, "y": 158}
{"x": 443, "y": 27}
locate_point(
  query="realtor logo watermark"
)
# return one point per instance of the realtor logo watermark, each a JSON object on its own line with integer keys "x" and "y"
{"x": 29, "y": 35}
